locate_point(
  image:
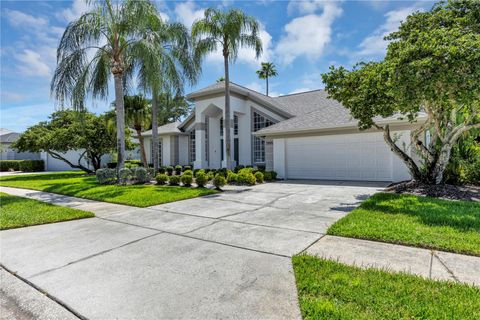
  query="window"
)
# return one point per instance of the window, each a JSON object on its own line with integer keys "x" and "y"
{"x": 221, "y": 127}
{"x": 235, "y": 125}
{"x": 159, "y": 152}
{"x": 259, "y": 122}
{"x": 192, "y": 146}
{"x": 206, "y": 138}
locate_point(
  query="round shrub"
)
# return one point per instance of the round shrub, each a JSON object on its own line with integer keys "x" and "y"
{"x": 198, "y": 171}
{"x": 187, "y": 180}
{"x": 219, "y": 181}
{"x": 178, "y": 170}
{"x": 186, "y": 168}
{"x": 188, "y": 173}
{"x": 232, "y": 177}
{"x": 267, "y": 176}
{"x": 201, "y": 179}
{"x": 124, "y": 175}
{"x": 174, "y": 180}
{"x": 210, "y": 175}
{"x": 259, "y": 177}
{"x": 106, "y": 176}
{"x": 169, "y": 170}
{"x": 162, "y": 170}
{"x": 141, "y": 174}
{"x": 161, "y": 178}
{"x": 245, "y": 177}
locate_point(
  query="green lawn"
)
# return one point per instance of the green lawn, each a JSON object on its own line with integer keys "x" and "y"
{"x": 78, "y": 185}
{"x": 19, "y": 212}
{"x": 331, "y": 290}
{"x": 417, "y": 221}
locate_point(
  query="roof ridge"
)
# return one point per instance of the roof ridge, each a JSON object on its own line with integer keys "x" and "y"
{"x": 297, "y": 93}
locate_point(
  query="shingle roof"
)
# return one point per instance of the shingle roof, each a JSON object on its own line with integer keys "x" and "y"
{"x": 8, "y": 136}
{"x": 169, "y": 128}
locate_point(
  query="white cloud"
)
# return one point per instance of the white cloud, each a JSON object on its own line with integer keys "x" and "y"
{"x": 74, "y": 12}
{"x": 300, "y": 90}
{"x": 374, "y": 43}
{"x": 20, "y": 19}
{"x": 10, "y": 96}
{"x": 32, "y": 64}
{"x": 308, "y": 35}
{"x": 187, "y": 13}
{"x": 305, "y": 6}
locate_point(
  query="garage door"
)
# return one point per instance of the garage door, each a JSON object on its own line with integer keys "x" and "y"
{"x": 363, "y": 156}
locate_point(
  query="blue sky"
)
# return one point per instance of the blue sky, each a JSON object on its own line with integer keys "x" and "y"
{"x": 303, "y": 38}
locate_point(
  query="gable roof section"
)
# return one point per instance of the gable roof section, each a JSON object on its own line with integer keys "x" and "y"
{"x": 8, "y": 136}
{"x": 169, "y": 128}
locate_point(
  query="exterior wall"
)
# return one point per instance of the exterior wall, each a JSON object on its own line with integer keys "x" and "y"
{"x": 174, "y": 149}
{"x": 213, "y": 109}
{"x": 183, "y": 150}
{"x": 52, "y": 164}
{"x": 7, "y": 153}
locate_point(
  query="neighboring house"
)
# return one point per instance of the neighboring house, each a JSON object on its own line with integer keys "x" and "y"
{"x": 300, "y": 136}
{"x": 7, "y": 137}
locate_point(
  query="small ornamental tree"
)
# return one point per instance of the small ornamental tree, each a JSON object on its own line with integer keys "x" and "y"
{"x": 70, "y": 130}
{"x": 432, "y": 66}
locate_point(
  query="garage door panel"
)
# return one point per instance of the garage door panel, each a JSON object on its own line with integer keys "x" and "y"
{"x": 362, "y": 156}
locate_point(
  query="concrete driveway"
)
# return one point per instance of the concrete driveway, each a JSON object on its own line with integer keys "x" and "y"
{"x": 218, "y": 257}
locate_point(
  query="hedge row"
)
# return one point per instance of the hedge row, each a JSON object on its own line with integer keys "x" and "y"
{"x": 22, "y": 165}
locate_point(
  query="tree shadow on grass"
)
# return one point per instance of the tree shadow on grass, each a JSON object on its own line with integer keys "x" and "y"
{"x": 463, "y": 216}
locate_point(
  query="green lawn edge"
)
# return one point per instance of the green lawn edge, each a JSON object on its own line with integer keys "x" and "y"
{"x": 424, "y": 222}
{"x": 332, "y": 290}
{"x": 77, "y": 184}
{"x": 19, "y": 212}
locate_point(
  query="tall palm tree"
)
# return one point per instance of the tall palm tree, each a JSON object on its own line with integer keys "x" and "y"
{"x": 268, "y": 70}
{"x": 138, "y": 116}
{"x": 231, "y": 30}
{"x": 166, "y": 63}
{"x": 99, "y": 44}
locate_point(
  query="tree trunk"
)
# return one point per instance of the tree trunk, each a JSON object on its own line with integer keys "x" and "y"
{"x": 142, "y": 147}
{"x": 75, "y": 166}
{"x": 267, "y": 85}
{"x": 226, "y": 117}
{"x": 411, "y": 165}
{"x": 120, "y": 114}
{"x": 156, "y": 165}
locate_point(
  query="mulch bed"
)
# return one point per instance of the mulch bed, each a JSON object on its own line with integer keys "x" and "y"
{"x": 444, "y": 191}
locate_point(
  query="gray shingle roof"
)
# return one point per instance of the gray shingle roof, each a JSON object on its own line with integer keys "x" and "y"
{"x": 8, "y": 136}
{"x": 169, "y": 128}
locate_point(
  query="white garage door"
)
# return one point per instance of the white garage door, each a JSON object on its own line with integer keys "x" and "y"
{"x": 363, "y": 156}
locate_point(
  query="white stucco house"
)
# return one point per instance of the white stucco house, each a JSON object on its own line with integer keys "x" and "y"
{"x": 300, "y": 136}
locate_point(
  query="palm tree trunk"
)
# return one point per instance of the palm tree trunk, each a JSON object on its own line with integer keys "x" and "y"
{"x": 156, "y": 165}
{"x": 267, "y": 85}
{"x": 142, "y": 147}
{"x": 120, "y": 114}
{"x": 226, "y": 117}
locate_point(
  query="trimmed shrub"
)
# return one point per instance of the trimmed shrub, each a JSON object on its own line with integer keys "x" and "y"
{"x": 141, "y": 175}
{"x": 188, "y": 173}
{"x": 161, "y": 178}
{"x": 169, "y": 170}
{"x": 187, "y": 179}
{"x": 201, "y": 179}
{"x": 106, "y": 176}
{"x": 238, "y": 168}
{"x": 151, "y": 174}
{"x": 267, "y": 176}
{"x": 274, "y": 175}
{"x": 245, "y": 176}
{"x": 210, "y": 175}
{"x": 198, "y": 171}
{"x": 259, "y": 177}
{"x": 10, "y": 165}
{"x": 219, "y": 181}
{"x": 124, "y": 175}
{"x": 162, "y": 170}
{"x": 185, "y": 168}
{"x": 232, "y": 177}
{"x": 174, "y": 180}
{"x": 22, "y": 165}
{"x": 178, "y": 170}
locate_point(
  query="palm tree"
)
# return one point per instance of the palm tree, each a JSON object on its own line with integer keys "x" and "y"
{"x": 138, "y": 116}
{"x": 231, "y": 30}
{"x": 268, "y": 70}
{"x": 166, "y": 62}
{"x": 99, "y": 44}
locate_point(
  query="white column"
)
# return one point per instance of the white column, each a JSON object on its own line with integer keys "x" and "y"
{"x": 232, "y": 142}
{"x": 200, "y": 161}
{"x": 279, "y": 161}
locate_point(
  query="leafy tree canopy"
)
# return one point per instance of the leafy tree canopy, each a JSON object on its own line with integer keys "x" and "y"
{"x": 71, "y": 130}
{"x": 432, "y": 66}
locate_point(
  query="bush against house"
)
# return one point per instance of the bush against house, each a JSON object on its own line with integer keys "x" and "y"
{"x": 22, "y": 165}
{"x": 432, "y": 66}
{"x": 69, "y": 130}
